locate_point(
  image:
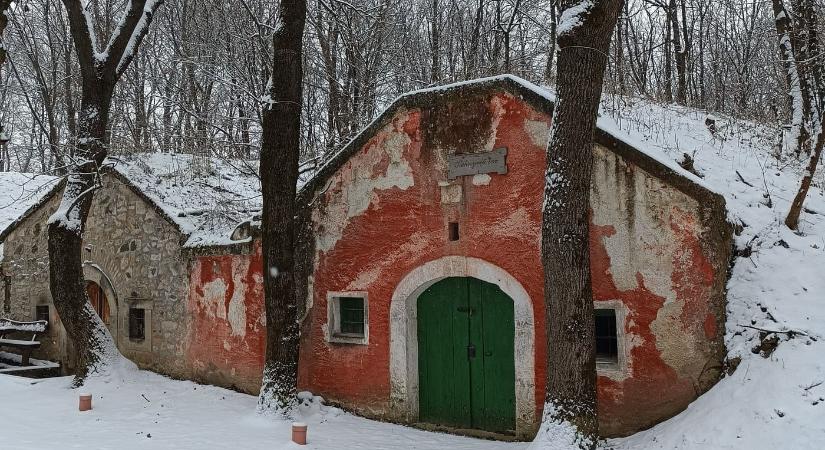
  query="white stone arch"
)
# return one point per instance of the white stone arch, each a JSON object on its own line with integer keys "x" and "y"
{"x": 404, "y": 335}
{"x": 93, "y": 272}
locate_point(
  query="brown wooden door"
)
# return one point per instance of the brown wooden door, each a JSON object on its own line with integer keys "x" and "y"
{"x": 98, "y": 300}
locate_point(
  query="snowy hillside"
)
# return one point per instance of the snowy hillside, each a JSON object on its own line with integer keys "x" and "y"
{"x": 772, "y": 400}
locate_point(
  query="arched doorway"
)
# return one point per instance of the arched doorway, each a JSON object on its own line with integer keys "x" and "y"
{"x": 466, "y": 366}
{"x": 102, "y": 297}
{"x": 404, "y": 360}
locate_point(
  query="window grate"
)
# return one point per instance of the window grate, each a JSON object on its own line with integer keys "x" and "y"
{"x": 137, "y": 324}
{"x": 352, "y": 315}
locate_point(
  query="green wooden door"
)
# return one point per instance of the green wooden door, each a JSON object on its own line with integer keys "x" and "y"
{"x": 465, "y": 355}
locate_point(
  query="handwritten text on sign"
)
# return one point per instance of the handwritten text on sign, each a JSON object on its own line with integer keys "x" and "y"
{"x": 475, "y": 163}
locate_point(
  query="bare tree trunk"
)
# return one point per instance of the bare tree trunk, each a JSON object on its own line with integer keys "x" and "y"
{"x": 668, "y": 63}
{"x": 279, "y": 176}
{"x": 435, "y": 46}
{"x": 4, "y": 5}
{"x": 806, "y": 57}
{"x": 582, "y": 61}
{"x": 551, "y": 48}
{"x": 792, "y": 220}
{"x": 680, "y": 51}
{"x": 91, "y": 340}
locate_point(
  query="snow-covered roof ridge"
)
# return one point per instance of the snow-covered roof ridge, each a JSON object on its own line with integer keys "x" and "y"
{"x": 20, "y": 193}
{"x": 205, "y": 198}
{"x": 542, "y": 99}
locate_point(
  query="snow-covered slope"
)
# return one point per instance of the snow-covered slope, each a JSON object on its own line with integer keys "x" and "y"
{"x": 772, "y": 400}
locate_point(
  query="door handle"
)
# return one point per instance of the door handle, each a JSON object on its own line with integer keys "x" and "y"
{"x": 471, "y": 351}
{"x": 469, "y": 311}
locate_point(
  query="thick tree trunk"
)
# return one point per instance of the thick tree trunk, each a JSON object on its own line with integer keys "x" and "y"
{"x": 92, "y": 343}
{"x": 91, "y": 340}
{"x": 582, "y": 60}
{"x": 279, "y": 176}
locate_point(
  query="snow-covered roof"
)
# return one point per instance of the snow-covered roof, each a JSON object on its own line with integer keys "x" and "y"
{"x": 206, "y": 198}
{"x": 608, "y": 133}
{"x": 20, "y": 192}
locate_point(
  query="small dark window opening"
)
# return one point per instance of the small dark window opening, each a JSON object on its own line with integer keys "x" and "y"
{"x": 6, "y": 294}
{"x": 454, "y": 231}
{"x": 41, "y": 312}
{"x": 352, "y": 315}
{"x": 607, "y": 342}
{"x": 137, "y": 324}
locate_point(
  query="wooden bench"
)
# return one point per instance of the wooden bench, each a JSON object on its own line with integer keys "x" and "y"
{"x": 28, "y": 329}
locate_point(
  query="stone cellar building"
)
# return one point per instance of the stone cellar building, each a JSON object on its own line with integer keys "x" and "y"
{"x": 419, "y": 262}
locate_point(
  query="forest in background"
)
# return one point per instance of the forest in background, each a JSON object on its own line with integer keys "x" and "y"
{"x": 197, "y": 84}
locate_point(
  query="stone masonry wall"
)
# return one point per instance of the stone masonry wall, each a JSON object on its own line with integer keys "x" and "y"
{"x": 129, "y": 246}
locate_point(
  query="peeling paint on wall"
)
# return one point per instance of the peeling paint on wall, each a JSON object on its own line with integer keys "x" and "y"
{"x": 644, "y": 245}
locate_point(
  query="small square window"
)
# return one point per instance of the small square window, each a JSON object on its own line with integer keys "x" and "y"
{"x": 607, "y": 341}
{"x": 41, "y": 312}
{"x": 137, "y": 324}
{"x": 348, "y": 317}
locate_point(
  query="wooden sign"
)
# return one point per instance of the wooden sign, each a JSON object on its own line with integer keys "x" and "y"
{"x": 475, "y": 163}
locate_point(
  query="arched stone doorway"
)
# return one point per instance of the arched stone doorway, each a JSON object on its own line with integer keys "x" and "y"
{"x": 404, "y": 373}
{"x": 102, "y": 296}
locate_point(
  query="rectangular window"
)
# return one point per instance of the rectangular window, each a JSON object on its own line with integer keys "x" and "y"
{"x": 137, "y": 324}
{"x": 41, "y": 312}
{"x": 348, "y": 317}
{"x": 607, "y": 343}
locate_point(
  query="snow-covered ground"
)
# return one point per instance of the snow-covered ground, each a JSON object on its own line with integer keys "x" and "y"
{"x": 142, "y": 410}
{"x": 772, "y": 400}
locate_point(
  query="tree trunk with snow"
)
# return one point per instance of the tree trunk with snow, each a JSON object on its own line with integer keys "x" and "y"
{"x": 805, "y": 67}
{"x": 100, "y": 71}
{"x": 584, "y": 40}
{"x": 280, "y": 150}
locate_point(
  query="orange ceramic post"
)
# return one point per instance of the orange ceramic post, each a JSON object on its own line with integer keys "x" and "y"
{"x": 85, "y": 402}
{"x": 299, "y": 433}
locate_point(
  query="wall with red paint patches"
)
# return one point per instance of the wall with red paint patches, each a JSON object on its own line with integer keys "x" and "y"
{"x": 386, "y": 211}
{"x": 227, "y": 335}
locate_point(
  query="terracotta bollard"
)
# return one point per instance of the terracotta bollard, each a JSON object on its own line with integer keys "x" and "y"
{"x": 299, "y": 433}
{"x": 85, "y": 402}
